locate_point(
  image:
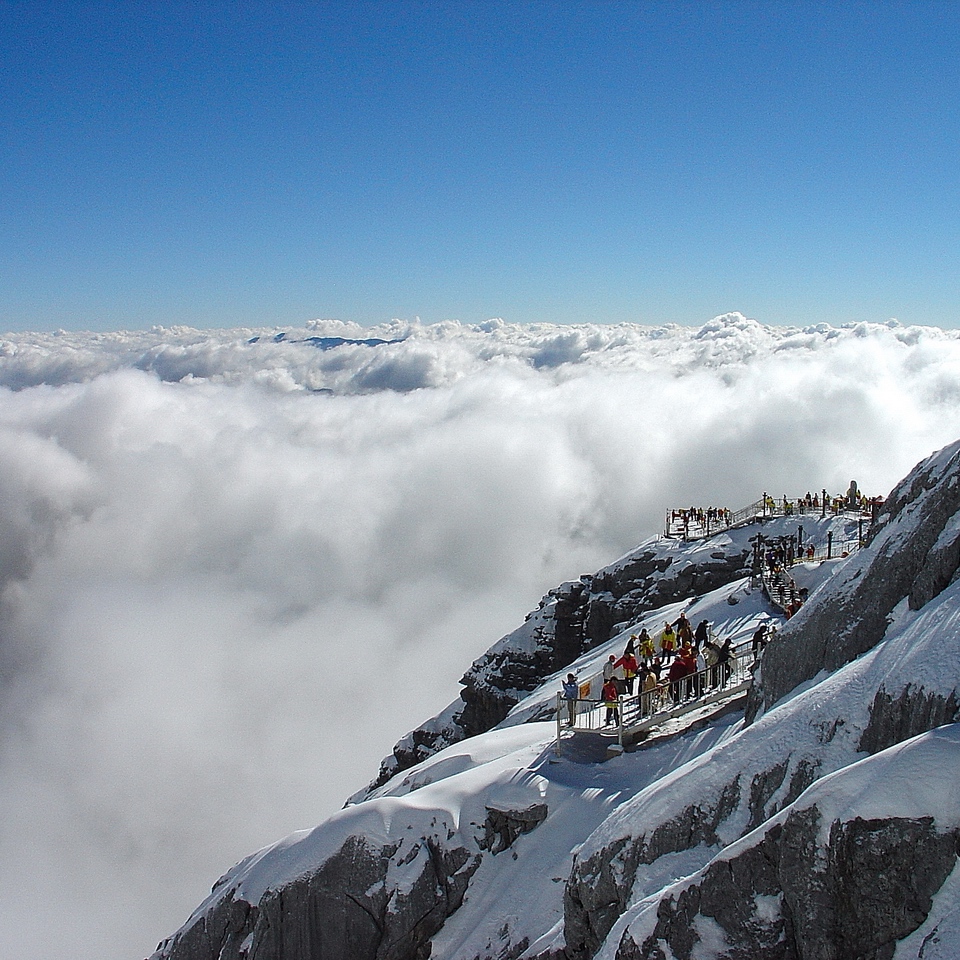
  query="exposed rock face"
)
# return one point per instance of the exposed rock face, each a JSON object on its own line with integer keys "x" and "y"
{"x": 787, "y": 897}
{"x": 502, "y": 827}
{"x": 916, "y": 554}
{"x": 598, "y": 891}
{"x": 913, "y": 711}
{"x": 344, "y": 908}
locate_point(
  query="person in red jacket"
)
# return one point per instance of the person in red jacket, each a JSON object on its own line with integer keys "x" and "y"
{"x": 630, "y": 667}
{"x": 611, "y": 696}
{"x": 678, "y": 671}
{"x": 689, "y": 658}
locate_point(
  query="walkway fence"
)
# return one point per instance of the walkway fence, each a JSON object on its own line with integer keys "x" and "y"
{"x": 639, "y": 710}
{"x": 695, "y": 523}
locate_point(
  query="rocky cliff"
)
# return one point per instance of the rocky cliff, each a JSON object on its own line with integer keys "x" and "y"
{"x": 569, "y": 621}
{"x": 915, "y": 554}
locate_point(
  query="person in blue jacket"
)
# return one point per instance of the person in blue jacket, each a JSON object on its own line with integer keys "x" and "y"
{"x": 571, "y": 693}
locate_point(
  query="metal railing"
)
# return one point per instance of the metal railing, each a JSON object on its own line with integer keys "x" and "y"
{"x": 642, "y": 708}
{"x": 686, "y": 522}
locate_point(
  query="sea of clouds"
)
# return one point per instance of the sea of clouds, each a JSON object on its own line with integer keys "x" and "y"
{"x": 237, "y": 565}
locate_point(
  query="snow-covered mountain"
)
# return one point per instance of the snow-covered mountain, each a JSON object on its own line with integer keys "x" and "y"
{"x": 823, "y": 821}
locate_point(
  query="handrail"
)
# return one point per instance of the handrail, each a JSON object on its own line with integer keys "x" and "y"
{"x": 589, "y": 714}
{"x": 761, "y": 509}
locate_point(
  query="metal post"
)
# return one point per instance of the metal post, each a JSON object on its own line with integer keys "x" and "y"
{"x": 620, "y": 717}
{"x": 823, "y": 503}
{"x": 829, "y": 544}
{"x": 559, "y": 727}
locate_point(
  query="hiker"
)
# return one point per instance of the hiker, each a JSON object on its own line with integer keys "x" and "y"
{"x": 610, "y": 668}
{"x": 628, "y": 663}
{"x": 701, "y": 675}
{"x": 611, "y": 699}
{"x": 650, "y": 692}
{"x": 711, "y": 654}
{"x": 676, "y": 674}
{"x": 759, "y": 640}
{"x": 689, "y": 659}
{"x": 702, "y": 634}
{"x": 656, "y": 665}
{"x": 682, "y": 629}
{"x": 571, "y": 693}
{"x": 724, "y": 655}
{"x": 668, "y": 640}
{"x": 646, "y": 645}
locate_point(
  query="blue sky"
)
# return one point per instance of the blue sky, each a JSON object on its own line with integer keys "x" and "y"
{"x": 221, "y": 164}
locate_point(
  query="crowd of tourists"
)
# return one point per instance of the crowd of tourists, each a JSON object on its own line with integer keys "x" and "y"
{"x": 852, "y": 501}
{"x": 701, "y": 521}
{"x": 681, "y": 663}
{"x": 706, "y": 518}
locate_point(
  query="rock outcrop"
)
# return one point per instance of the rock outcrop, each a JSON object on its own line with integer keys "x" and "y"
{"x": 364, "y": 902}
{"x": 811, "y": 885}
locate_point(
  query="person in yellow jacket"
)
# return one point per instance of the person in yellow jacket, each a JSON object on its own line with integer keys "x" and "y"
{"x": 668, "y": 641}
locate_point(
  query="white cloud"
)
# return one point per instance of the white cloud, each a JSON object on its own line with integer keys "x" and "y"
{"x": 235, "y": 572}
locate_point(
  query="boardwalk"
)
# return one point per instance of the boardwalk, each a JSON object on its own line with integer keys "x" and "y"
{"x": 690, "y": 523}
{"x": 640, "y": 712}
{"x": 636, "y": 711}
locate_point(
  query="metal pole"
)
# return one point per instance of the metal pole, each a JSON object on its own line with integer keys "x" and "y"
{"x": 558, "y": 724}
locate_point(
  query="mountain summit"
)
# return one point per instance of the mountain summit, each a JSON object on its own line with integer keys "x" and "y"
{"x": 819, "y": 820}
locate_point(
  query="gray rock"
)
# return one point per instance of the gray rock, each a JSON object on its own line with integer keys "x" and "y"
{"x": 502, "y": 827}
{"x": 872, "y": 885}
{"x": 599, "y": 887}
{"x": 913, "y": 711}
{"x": 343, "y": 909}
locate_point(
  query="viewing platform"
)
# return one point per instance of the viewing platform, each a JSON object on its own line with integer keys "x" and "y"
{"x": 636, "y": 712}
{"x": 641, "y": 711}
{"x": 690, "y": 523}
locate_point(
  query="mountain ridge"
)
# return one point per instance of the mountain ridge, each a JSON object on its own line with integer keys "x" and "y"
{"x": 446, "y": 858}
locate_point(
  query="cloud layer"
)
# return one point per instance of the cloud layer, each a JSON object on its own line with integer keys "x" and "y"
{"x": 238, "y": 565}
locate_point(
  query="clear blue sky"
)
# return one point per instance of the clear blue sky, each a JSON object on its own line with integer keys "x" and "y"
{"x": 219, "y": 164}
